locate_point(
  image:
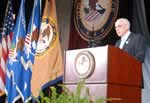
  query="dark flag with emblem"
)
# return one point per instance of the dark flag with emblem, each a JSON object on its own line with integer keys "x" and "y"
{"x": 14, "y": 67}
{"x": 48, "y": 64}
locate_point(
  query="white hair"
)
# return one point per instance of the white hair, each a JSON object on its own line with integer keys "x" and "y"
{"x": 124, "y": 20}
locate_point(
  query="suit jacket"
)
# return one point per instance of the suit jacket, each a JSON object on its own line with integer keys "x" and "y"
{"x": 135, "y": 45}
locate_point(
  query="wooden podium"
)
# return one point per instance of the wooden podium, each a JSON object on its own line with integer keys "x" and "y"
{"x": 108, "y": 72}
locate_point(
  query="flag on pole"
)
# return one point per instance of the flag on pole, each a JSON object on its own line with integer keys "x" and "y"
{"x": 14, "y": 67}
{"x": 48, "y": 64}
{"x": 30, "y": 44}
{"x": 6, "y": 41}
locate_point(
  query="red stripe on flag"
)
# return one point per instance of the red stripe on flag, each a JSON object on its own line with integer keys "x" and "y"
{"x": 92, "y": 15}
{"x": 4, "y": 54}
{"x": 28, "y": 39}
{"x": 11, "y": 35}
{"x": 2, "y": 74}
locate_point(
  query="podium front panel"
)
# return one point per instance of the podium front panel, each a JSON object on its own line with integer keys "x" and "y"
{"x": 99, "y": 74}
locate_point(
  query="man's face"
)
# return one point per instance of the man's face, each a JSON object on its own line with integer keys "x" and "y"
{"x": 121, "y": 28}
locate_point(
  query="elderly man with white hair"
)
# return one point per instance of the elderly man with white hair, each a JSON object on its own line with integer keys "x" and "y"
{"x": 133, "y": 43}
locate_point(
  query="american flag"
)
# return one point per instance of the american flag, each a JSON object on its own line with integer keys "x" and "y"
{"x": 6, "y": 41}
{"x": 92, "y": 15}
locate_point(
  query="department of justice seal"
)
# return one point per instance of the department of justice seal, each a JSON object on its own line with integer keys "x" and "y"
{"x": 47, "y": 36}
{"x": 84, "y": 64}
{"x": 95, "y": 18}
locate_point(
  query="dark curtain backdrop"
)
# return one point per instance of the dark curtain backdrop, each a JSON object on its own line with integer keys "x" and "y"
{"x": 134, "y": 10}
{"x": 76, "y": 42}
{"x": 139, "y": 22}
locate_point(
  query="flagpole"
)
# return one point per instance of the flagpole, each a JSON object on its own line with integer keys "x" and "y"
{"x": 18, "y": 30}
{"x": 4, "y": 19}
{"x": 33, "y": 16}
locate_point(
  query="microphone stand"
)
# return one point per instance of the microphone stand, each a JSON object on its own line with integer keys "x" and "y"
{"x": 92, "y": 41}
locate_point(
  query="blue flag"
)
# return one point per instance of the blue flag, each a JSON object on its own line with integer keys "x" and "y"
{"x": 33, "y": 31}
{"x": 14, "y": 67}
{"x": 29, "y": 50}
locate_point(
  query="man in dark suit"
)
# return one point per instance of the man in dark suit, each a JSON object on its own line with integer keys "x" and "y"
{"x": 133, "y": 43}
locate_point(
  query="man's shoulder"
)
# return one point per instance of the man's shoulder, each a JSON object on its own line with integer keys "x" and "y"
{"x": 138, "y": 38}
{"x": 137, "y": 35}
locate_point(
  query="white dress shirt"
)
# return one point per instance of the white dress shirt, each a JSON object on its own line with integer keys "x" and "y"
{"x": 123, "y": 39}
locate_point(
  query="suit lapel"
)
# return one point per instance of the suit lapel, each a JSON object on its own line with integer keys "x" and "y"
{"x": 118, "y": 43}
{"x": 127, "y": 42}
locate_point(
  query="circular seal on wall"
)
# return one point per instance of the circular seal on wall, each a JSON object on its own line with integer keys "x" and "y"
{"x": 84, "y": 64}
{"x": 95, "y": 18}
{"x": 47, "y": 36}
